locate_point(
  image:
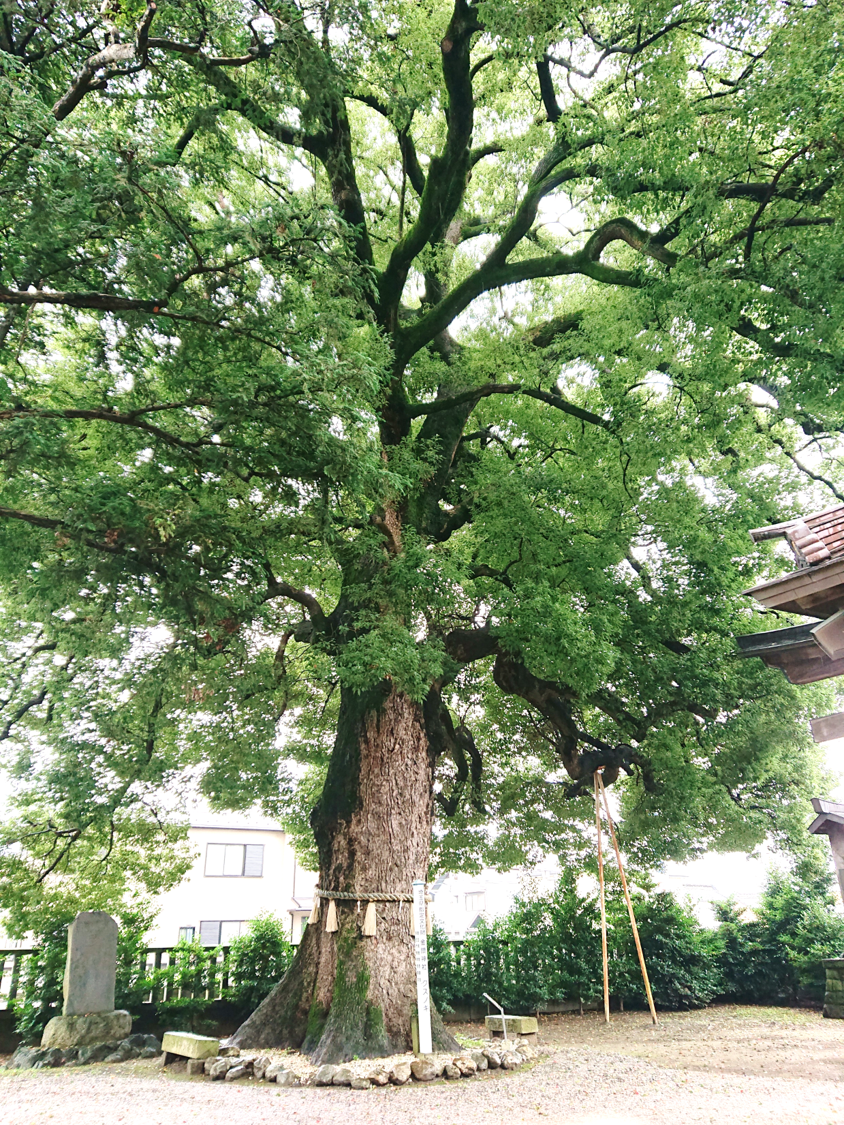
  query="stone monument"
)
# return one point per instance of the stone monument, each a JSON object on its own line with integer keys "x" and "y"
{"x": 88, "y": 1015}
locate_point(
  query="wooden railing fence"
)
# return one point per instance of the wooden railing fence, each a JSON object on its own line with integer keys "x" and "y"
{"x": 209, "y": 983}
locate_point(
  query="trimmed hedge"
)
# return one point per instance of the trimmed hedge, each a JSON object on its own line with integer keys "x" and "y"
{"x": 549, "y": 949}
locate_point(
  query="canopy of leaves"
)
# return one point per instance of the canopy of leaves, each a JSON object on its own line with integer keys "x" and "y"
{"x": 457, "y": 345}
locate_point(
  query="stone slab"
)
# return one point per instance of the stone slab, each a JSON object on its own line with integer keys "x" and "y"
{"x": 91, "y": 964}
{"x": 80, "y": 1031}
{"x": 516, "y": 1025}
{"x": 189, "y": 1046}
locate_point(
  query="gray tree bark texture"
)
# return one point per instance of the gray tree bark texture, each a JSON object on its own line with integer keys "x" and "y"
{"x": 346, "y": 995}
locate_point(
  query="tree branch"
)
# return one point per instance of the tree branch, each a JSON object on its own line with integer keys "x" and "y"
{"x": 277, "y": 589}
{"x": 446, "y": 178}
{"x": 131, "y": 419}
{"x": 487, "y": 389}
{"x": 110, "y": 57}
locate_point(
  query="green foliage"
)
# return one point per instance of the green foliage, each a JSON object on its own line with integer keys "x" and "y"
{"x": 311, "y": 363}
{"x": 443, "y": 971}
{"x": 183, "y": 991}
{"x": 678, "y": 955}
{"x": 259, "y": 959}
{"x": 778, "y": 954}
{"x": 549, "y": 949}
{"x": 187, "y": 986}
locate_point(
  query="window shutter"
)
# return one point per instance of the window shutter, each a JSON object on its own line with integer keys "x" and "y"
{"x": 209, "y": 933}
{"x": 254, "y": 865}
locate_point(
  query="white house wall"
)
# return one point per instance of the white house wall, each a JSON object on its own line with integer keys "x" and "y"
{"x": 229, "y": 898}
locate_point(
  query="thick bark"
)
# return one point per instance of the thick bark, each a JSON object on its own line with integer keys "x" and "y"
{"x": 346, "y": 995}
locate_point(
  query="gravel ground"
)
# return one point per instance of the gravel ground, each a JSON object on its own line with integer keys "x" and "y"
{"x": 591, "y": 1081}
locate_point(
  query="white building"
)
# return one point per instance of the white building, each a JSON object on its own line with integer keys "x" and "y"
{"x": 461, "y": 900}
{"x": 245, "y": 865}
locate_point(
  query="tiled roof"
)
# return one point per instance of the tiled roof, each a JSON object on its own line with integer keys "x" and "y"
{"x": 813, "y": 539}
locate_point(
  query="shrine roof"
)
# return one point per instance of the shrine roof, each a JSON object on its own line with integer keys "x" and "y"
{"x": 829, "y": 813}
{"x": 813, "y": 539}
{"x": 795, "y": 651}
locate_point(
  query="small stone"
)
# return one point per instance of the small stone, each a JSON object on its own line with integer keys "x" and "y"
{"x": 379, "y": 1077}
{"x": 95, "y": 1053}
{"x": 221, "y": 1068}
{"x": 140, "y": 1040}
{"x": 466, "y": 1065}
{"x": 51, "y": 1057}
{"x": 229, "y": 1052}
{"x": 235, "y": 1072}
{"x": 149, "y": 1052}
{"x": 286, "y": 1078}
{"x": 273, "y": 1070}
{"x": 209, "y": 1064}
{"x": 452, "y": 1071}
{"x": 527, "y": 1052}
{"x": 479, "y": 1060}
{"x": 342, "y": 1076}
{"x": 424, "y": 1070}
{"x": 361, "y": 1084}
{"x": 512, "y": 1060}
{"x": 400, "y": 1073}
{"x": 196, "y": 1066}
{"x": 325, "y": 1075}
{"x": 260, "y": 1065}
{"x": 24, "y": 1058}
{"x": 116, "y": 1057}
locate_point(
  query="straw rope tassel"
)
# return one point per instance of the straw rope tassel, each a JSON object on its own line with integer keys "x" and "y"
{"x": 369, "y": 920}
{"x": 412, "y": 922}
{"x": 313, "y": 918}
{"x": 331, "y": 918}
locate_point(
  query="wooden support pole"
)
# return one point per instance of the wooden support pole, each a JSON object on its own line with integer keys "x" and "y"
{"x": 600, "y": 782}
{"x": 603, "y": 904}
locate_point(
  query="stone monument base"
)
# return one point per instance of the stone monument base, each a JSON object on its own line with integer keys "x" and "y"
{"x": 79, "y": 1031}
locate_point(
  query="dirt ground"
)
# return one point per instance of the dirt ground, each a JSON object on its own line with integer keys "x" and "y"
{"x": 722, "y": 1039}
{"x": 722, "y": 1066}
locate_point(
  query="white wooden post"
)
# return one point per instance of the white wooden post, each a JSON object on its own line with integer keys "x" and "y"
{"x": 423, "y": 994}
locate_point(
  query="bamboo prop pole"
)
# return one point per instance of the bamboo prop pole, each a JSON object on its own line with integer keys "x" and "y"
{"x": 603, "y": 905}
{"x": 627, "y": 900}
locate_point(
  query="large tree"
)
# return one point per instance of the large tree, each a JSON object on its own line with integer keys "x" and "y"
{"x": 390, "y": 387}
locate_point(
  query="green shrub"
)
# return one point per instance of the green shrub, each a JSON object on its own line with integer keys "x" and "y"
{"x": 549, "y": 949}
{"x": 259, "y": 959}
{"x": 444, "y": 974}
{"x": 186, "y": 987}
{"x": 679, "y": 955}
{"x": 779, "y": 954}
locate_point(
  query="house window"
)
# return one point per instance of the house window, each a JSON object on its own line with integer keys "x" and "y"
{"x": 187, "y": 933}
{"x": 475, "y": 900}
{"x": 235, "y": 860}
{"x": 220, "y": 933}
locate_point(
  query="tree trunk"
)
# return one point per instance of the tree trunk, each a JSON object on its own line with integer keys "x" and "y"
{"x": 346, "y": 995}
